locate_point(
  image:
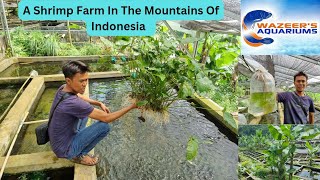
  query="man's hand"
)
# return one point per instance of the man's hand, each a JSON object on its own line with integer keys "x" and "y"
{"x": 104, "y": 108}
{"x": 134, "y": 104}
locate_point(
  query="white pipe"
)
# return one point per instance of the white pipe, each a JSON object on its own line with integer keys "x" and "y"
{"x": 34, "y": 122}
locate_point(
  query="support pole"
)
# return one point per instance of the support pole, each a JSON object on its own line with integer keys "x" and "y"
{"x": 5, "y": 23}
{"x": 195, "y": 45}
{"x": 69, "y": 33}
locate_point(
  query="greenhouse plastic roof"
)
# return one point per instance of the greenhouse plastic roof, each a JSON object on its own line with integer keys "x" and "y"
{"x": 230, "y": 24}
{"x": 284, "y": 67}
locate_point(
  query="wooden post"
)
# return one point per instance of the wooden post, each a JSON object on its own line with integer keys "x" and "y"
{"x": 69, "y": 33}
{"x": 195, "y": 45}
{"x": 204, "y": 47}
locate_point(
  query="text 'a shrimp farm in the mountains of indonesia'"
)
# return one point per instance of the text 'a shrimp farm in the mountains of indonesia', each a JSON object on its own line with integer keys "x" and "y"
{"x": 124, "y": 10}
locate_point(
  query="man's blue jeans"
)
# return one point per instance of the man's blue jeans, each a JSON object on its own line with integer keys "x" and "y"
{"x": 87, "y": 137}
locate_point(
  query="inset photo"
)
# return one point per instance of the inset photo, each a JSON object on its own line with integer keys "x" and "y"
{"x": 279, "y": 152}
{"x": 279, "y": 89}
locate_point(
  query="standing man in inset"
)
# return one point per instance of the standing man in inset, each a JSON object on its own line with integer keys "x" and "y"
{"x": 298, "y": 107}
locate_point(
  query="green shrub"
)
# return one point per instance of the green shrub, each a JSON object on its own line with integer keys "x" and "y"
{"x": 19, "y": 41}
{"x": 66, "y": 49}
{"x": 35, "y": 43}
{"x": 261, "y": 172}
{"x": 246, "y": 164}
{"x": 90, "y": 49}
{"x": 51, "y": 45}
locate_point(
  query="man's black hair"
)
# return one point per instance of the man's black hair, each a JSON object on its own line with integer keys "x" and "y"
{"x": 73, "y": 67}
{"x": 300, "y": 74}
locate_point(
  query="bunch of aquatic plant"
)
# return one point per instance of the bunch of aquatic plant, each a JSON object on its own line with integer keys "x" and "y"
{"x": 158, "y": 78}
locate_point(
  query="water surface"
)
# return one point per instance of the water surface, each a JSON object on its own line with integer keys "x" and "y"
{"x": 137, "y": 150}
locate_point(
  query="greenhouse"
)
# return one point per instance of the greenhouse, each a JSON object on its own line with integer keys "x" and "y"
{"x": 182, "y": 77}
{"x": 281, "y": 70}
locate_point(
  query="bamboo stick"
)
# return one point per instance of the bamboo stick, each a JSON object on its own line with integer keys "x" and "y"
{"x": 11, "y": 146}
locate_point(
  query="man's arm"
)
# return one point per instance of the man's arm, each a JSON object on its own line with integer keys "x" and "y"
{"x": 311, "y": 117}
{"x": 109, "y": 117}
{"x": 311, "y": 112}
{"x": 94, "y": 102}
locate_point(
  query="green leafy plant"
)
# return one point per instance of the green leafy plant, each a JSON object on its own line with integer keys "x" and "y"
{"x": 276, "y": 157}
{"x": 192, "y": 148}
{"x": 218, "y": 53}
{"x": 284, "y": 146}
{"x": 229, "y": 118}
{"x": 257, "y": 141}
{"x": 312, "y": 152}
